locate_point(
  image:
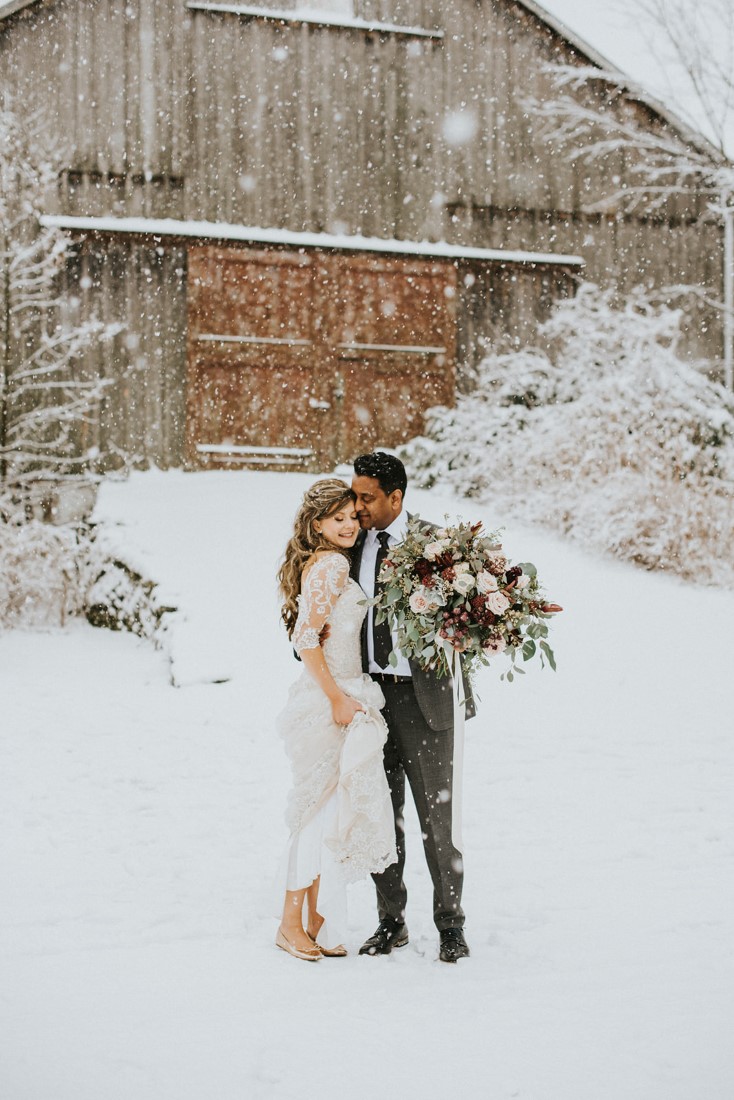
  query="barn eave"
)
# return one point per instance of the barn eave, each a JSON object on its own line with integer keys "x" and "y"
{"x": 10, "y": 7}
{"x": 246, "y": 234}
{"x": 319, "y": 19}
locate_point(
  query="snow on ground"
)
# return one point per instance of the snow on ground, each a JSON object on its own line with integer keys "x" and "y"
{"x": 140, "y": 822}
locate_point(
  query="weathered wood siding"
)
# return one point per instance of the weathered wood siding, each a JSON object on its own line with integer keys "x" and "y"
{"x": 140, "y": 286}
{"x": 168, "y": 111}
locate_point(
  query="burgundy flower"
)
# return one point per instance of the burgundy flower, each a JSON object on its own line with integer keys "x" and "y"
{"x": 480, "y": 612}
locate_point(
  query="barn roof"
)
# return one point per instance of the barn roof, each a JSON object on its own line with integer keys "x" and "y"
{"x": 250, "y": 234}
{"x": 10, "y": 6}
{"x": 687, "y": 132}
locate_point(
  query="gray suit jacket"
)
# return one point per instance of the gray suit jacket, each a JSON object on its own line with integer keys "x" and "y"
{"x": 433, "y": 692}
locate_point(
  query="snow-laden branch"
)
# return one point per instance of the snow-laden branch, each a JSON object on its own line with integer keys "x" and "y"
{"x": 45, "y": 398}
{"x": 659, "y": 163}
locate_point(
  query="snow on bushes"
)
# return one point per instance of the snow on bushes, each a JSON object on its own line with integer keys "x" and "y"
{"x": 49, "y": 573}
{"x": 121, "y": 599}
{"x": 43, "y": 573}
{"x": 605, "y": 434}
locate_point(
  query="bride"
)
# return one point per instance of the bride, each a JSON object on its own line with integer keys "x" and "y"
{"x": 339, "y": 810}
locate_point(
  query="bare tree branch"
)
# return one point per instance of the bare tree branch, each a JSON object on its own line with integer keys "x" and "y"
{"x": 44, "y": 399}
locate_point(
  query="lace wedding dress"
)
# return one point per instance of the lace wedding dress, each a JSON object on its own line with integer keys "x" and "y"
{"x": 339, "y": 810}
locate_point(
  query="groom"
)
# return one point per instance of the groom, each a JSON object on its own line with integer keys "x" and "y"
{"x": 420, "y": 721}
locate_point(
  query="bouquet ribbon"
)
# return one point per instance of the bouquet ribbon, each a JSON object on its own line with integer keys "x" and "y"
{"x": 457, "y": 784}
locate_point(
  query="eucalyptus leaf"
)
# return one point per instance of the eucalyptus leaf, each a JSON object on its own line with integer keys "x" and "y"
{"x": 549, "y": 654}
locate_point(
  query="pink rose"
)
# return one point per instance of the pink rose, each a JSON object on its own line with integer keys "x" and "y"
{"x": 486, "y": 582}
{"x": 419, "y": 601}
{"x": 434, "y": 550}
{"x": 497, "y": 602}
{"x": 494, "y": 645}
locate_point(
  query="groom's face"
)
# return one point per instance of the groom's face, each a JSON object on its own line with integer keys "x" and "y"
{"x": 375, "y": 507}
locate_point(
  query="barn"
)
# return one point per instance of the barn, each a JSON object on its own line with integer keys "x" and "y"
{"x": 310, "y": 217}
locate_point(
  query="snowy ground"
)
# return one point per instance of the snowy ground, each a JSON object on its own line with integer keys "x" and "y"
{"x": 140, "y": 820}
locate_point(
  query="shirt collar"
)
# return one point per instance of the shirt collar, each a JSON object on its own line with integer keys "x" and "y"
{"x": 397, "y": 529}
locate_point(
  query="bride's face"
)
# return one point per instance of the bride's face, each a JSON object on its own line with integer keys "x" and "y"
{"x": 340, "y": 528}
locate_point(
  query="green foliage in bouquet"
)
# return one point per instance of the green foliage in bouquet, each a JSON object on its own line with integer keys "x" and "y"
{"x": 452, "y": 587}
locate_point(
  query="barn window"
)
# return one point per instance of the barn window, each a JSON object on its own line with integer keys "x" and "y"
{"x": 326, "y": 7}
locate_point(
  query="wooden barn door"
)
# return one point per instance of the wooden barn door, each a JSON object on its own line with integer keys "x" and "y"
{"x": 393, "y": 327}
{"x": 256, "y": 389}
{"x": 307, "y": 360}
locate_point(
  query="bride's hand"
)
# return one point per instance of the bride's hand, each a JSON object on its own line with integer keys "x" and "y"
{"x": 344, "y": 709}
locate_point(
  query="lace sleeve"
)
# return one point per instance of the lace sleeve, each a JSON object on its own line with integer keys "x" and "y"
{"x": 324, "y": 583}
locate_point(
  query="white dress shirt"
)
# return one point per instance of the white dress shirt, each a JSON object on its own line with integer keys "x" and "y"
{"x": 396, "y": 533}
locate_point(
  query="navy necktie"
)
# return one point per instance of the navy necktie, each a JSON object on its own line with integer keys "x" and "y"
{"x": 381, "y": 631}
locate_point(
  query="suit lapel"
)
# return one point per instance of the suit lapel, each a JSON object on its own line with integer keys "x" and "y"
{"x": 356, "y": 556}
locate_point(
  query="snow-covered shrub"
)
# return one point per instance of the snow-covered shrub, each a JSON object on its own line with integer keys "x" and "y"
{"x": 121, "y": 599}
{"x": 43, "y": 573}
{"x": 49, "y": 573}
{"x": 605, "y": 434}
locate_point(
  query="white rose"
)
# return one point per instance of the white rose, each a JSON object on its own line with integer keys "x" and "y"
{"x": 497, "y": 602}
{"x": 522, "y": 582}
{"x": 461, "y": 567}
{"x": 419, "y": 601}
{"x": 486, "y": 582}
{"x": 463, "y": 583}
{"x": 434, "y": 550}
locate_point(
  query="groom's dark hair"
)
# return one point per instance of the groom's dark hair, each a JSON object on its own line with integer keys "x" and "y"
{"x": 385, "y": 468}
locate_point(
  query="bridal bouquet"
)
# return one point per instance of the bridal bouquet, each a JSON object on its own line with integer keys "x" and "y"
{"x": 453, "y": 588}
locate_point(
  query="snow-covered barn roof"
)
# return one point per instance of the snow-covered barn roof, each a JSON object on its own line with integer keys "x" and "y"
{"x": 171, "y": 227}
{"x": 10, "y": 6}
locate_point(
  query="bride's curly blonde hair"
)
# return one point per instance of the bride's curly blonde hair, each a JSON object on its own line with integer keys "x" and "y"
{"x": 321, "y": 500}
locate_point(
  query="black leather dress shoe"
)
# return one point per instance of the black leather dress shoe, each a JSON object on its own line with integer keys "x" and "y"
{"x": 390, "y": 933}
{"x": 453, "y": 945}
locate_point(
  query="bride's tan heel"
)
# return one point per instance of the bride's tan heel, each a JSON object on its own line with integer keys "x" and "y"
{"x": 286, "y": 945}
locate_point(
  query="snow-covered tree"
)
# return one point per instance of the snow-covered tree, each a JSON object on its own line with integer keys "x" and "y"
{"x": 660, "y": 162}
{"x": 606, "y": 434}
{"x": 45, "y": 572}
{"x": 43, "y": 399}
{"x": 687, "y": 171}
